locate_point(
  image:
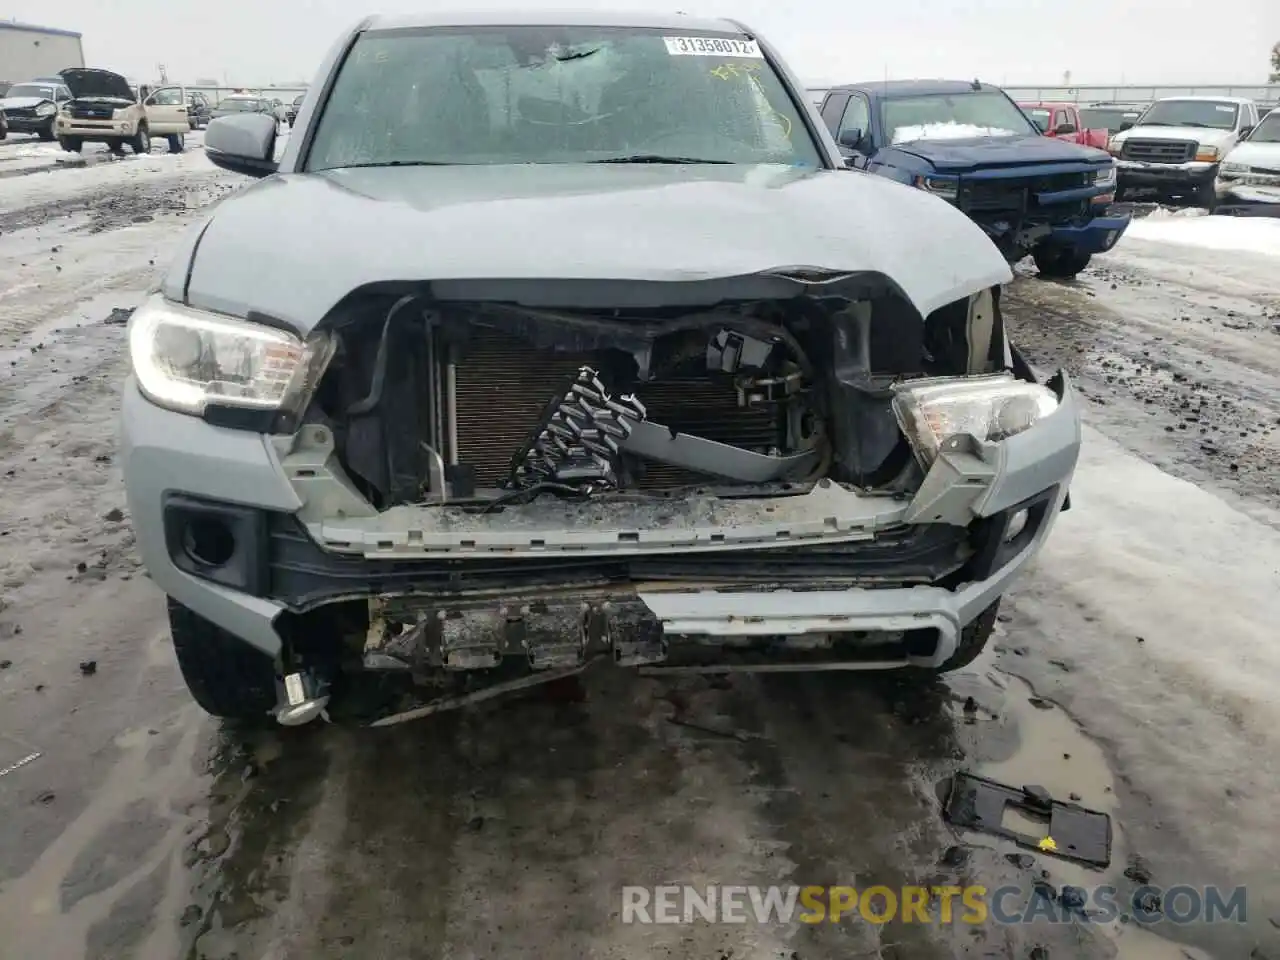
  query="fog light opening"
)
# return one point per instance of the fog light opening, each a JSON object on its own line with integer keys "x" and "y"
{"x": 1017, "y": 523}
{"x": 208, "y": 541}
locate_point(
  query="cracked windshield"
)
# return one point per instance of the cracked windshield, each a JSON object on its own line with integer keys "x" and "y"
{"x": 558, "y": 96}
{"x": 730, "y": 481}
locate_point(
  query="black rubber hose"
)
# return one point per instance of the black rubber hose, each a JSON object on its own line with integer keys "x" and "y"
{"x": 380, "y": 362}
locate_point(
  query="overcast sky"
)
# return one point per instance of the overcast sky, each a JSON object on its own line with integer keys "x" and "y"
{"x": 255, "y": 42}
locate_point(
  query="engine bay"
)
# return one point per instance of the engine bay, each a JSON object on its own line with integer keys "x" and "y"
{"x": 433, "y": 403}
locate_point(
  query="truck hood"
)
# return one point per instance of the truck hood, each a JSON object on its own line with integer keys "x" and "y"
{"x": 91, "y": 82}
{"x": 973, "y": 152}
{"x": 1202, "y": 135}
{"x": 1256, "y": 155}
{"x": 293, "y": 245}
{"x": 21, "y": 103}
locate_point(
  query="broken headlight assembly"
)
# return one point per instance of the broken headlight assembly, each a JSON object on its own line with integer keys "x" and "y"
{"x": 987, "y": 408}
{"x": 946, "y": 188}
{"x": 188, "y": 360}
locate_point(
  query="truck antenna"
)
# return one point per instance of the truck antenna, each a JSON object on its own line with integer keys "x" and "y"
{"x": 976, "y": 85}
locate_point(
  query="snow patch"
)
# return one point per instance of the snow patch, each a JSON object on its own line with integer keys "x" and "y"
{"x": 1244, "y": 234}
{"x": 947, "y": 131}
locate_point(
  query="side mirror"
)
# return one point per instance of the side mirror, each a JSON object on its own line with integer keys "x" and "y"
{"x": 1245, "y": 131}
{"x": 1065, "y": 128}
{"x": 243, "y": 144}
{"x": 851, "y": 138}
{"x": 1126, "y": 125}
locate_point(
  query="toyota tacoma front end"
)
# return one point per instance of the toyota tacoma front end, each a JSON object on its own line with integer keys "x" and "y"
{"x": 479, "y": 424}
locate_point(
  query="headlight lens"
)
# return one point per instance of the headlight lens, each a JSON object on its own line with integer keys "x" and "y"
{"x": 1234, "y": 169}
{"x": 947, "y": 189}
{"x": 1105, "y": 176}
{"x": 988, "y": 408}
{"x": 121, "y": 114}
{"x": 1207, "y": 154}
{"x": 46, "y": 110}
{"x": 186, "y": 359}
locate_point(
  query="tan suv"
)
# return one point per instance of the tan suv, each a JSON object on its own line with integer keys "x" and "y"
{"x": 105, "y": 109}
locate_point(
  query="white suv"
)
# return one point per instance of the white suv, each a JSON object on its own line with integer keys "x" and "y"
{"x": 1175, "y": 147}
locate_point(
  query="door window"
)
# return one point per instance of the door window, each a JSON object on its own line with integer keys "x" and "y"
{"x": 857, "y": 116}
{"x": 168, "y": 97}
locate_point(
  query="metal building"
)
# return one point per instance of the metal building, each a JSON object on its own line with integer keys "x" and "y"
{"x": 28, "y": 51}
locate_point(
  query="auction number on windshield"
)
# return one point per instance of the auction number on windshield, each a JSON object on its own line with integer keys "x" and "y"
{"x": 711, "y": 47}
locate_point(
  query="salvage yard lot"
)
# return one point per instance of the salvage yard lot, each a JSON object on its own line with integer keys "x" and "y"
{"x": 1133, "y": 668}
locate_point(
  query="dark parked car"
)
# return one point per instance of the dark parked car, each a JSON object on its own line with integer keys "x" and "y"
{"x": 199, "y": 111}
{"x": 291, "y": 113}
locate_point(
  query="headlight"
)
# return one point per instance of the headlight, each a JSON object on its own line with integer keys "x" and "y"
{"x": 187, "y": 359}
{"x": 1106, "y": 176}
{"x": 1234, "y": 169}
{"x": 1207, "y": 154}
{"x": 46, "y": 110}
{"x": 1114, "y": 146}
{"x": 121, "y": 114}
{"x": 987, "y": 408}
{"x": 947, "y": 189}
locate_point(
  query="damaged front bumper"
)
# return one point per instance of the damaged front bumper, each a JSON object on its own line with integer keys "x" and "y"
{"x": 641, "y": 579}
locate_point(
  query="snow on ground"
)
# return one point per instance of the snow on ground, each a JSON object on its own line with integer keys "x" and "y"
{"x": 95, "y": 173}
{"x": 1192, "y": 228}
{"x": 947, "y": 131}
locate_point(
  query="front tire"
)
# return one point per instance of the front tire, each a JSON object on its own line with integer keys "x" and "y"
{"x": 141, "y": 143}
{"x": 71, "y": 144}
{"x": 1206, "y": 196}
{"x": 226, "y": 676}
{"x": 46, "y": 133}
{"x": 177, "y": 143}
{"x": 1059, "y": 263}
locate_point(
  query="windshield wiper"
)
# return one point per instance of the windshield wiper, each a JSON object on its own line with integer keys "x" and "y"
{"x": 394, "y": 163}
{"x": 1190, "y": 123}
{"x": 657, "y": 158}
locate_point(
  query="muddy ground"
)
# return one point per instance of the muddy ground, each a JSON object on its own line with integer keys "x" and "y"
{"x": 1133, "y": 669}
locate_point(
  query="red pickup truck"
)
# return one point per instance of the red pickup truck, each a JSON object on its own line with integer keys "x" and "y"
{"x": 1062, "y": 120}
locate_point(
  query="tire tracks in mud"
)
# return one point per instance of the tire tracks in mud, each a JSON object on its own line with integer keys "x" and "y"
{"x": 1185, "y": 377}
{"x": 124, "y": 204}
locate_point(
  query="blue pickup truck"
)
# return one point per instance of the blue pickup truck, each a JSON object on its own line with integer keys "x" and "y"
{"x": 971, "y": 145}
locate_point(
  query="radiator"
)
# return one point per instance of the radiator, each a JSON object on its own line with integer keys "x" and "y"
{"x": 504, "y": 384}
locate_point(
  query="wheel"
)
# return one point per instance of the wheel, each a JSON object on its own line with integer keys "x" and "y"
{"x": 226, "y": 677}
{"x": 1059, "y": 263}
{"x": 71, "y": 144}
{"x": 177, "y": 142}
{"x": 142, "y": 142}
{"x": 46, "y": 133}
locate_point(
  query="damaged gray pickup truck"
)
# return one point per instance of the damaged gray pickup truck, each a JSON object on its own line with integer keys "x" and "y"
{"x": 581, "y": 345}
